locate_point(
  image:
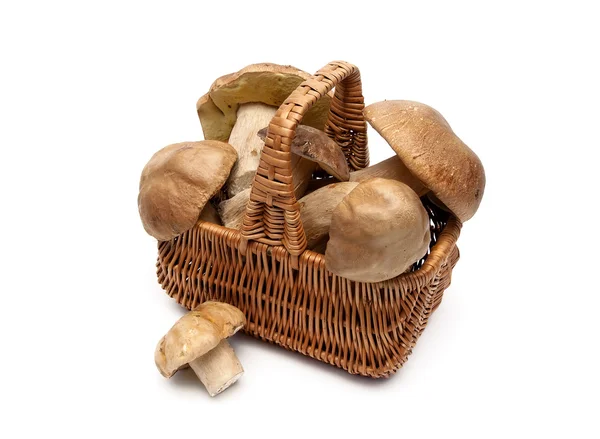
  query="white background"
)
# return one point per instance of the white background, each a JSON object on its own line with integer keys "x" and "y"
{"x": 90, "y": 90}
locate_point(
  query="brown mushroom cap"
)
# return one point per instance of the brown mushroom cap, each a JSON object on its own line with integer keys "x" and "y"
{"x": 177, "y": 183}
{"x": 268, "y": 83}
{"x": 318, "y": 147}
{"x": 429, "y": 148}
{"x": 195, "y": 334}
{"x": 378, "y": 231}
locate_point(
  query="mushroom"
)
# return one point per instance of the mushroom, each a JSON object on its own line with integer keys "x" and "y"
{"x": 316, "y": 209}
{"x": 318, "y": 147}
{"x": 425, "y": 143}
{"x": 178, "y": 182}
{"x": 377, "y": 232}
{"x": 309, "y": 148}
{"x": 239, "y": 104}
{"x": 232, "y": 211}
{"x": 250, "y": 117}
{"x": 198, "y": 339}
{"x": 310, "y": 142}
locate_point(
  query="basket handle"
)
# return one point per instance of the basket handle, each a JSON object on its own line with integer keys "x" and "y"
{"x": 272, "y": 214}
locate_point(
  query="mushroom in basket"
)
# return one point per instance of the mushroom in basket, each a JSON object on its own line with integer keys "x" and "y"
{"x": 377, "y": 231}
{"x": 177, "y": 184}
{"x": 429, "y": 149}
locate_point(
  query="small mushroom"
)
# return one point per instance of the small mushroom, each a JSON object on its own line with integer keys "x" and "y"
{"x": 318, "y": 147}
{"x": 239, "y": 104}
{"x": 317, "y": 208}
{"x": 178, "y": 182}
{"x": 430, "y": 150}
{"x": 377, "y": 232}
{"x": 198, "y": 339}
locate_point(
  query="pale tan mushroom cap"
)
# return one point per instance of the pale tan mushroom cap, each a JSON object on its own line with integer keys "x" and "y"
{"x": 378, "y": 231}
{"x": 268, "y": 83}
{"x": 426, "y": 144}
{"x": 318, "y": 147}
{"x": 177, "y": 183}
{"x": 195, "y": 334}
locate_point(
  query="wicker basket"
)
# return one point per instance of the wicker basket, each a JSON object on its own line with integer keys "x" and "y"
{"x": 288, "y": 296}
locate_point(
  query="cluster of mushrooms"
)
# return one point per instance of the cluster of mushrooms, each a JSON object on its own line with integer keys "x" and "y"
{"x": 370, "y": 224}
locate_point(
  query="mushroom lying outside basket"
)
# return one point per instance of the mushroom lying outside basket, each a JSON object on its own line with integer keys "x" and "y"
{"x": 287, "y": 295}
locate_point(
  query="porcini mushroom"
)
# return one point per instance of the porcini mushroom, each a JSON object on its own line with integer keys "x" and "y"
{"x": 430, "y": 150}
{"x": 239, "y": 104}
{"x": 232, "y": 211}
{"x": 377, "y": 232}
{"x": 198, "y": 339}
{"x": 309, "y": 148}
{"x": 250, "y": 117}
{"x": 177, "y": 183}
{"x": 318, "y": 147}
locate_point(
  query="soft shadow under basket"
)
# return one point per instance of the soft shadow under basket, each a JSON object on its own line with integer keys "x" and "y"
{"x": 288, "y": 296}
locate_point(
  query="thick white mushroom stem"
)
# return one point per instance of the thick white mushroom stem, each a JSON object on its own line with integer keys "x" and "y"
{"x": 251, "y": 117}
{"x": 232, "y": 211}
{"x": 218, "y": 369}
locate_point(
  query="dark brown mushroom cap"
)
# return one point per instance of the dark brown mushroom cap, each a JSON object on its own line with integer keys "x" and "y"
{"x": 268, "y": 83}
{"x": 177, "y": 183}
{"x": 318, "y": 147}
{"x": 426, "y": 144}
